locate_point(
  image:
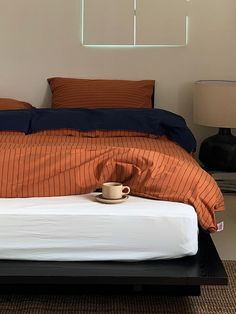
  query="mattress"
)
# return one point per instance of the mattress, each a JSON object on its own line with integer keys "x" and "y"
{"x": 78, "y": 228}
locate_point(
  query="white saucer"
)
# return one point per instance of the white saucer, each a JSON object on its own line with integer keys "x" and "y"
{"x": 100, "y": 199}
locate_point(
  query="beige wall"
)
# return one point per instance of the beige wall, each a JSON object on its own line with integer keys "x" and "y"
{"x": 41, "y": 38}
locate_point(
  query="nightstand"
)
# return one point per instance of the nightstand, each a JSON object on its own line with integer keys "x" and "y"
{"x": 225, "y": 240}
{"x": 225, "y": 180}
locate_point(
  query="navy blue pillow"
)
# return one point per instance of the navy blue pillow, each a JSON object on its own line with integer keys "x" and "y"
{"x": 15, "y": 120}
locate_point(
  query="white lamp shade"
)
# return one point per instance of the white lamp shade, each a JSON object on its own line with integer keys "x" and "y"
{"x": 215, "y": 103}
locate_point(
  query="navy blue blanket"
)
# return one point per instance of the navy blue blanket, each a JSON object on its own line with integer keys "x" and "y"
{"x": 152, "y": 121}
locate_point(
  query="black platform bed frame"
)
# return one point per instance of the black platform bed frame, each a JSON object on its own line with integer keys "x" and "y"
{"x": 182, "y": 276}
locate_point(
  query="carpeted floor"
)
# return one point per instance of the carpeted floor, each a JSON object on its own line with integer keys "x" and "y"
{"x": 213, "y": 300}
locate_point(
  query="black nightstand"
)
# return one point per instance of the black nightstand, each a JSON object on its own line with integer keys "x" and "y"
{"x": 225, "y": 180}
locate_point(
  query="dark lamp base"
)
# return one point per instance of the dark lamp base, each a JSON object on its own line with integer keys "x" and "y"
{"x": 218, "y": 152}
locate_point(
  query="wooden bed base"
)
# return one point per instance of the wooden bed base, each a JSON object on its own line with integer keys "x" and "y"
{"x": 177, "y": 276}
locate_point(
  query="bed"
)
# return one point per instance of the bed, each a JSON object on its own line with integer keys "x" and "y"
{"x": 47, "y": 153}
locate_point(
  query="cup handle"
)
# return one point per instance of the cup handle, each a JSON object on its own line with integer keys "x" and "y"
{"x": 126, "y": 188}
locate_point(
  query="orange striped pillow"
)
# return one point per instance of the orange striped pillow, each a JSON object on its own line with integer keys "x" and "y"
{"x": 12, "y": 104}
{"x": 85, "y": 93}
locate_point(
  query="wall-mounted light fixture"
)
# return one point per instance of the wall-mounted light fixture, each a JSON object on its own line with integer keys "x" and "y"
{"x": 134, "y": 23}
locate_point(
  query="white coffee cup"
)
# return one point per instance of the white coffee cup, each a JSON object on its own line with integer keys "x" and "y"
{"x": 114, "y": 190}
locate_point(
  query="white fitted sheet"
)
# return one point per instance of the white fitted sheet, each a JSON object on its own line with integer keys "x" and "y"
{"x": 77, "y": 228}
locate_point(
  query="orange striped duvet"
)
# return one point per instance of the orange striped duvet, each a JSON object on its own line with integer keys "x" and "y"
{"x": 65, "y": 162}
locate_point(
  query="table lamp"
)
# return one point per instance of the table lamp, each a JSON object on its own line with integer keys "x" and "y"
{"x": 215, "y": 106}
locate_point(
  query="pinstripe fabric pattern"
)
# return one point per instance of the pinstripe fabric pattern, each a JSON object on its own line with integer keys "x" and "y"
{"x": 12, "y": 104}
{"x": 84, "y": 93}
{"x": 65, "y": 162}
